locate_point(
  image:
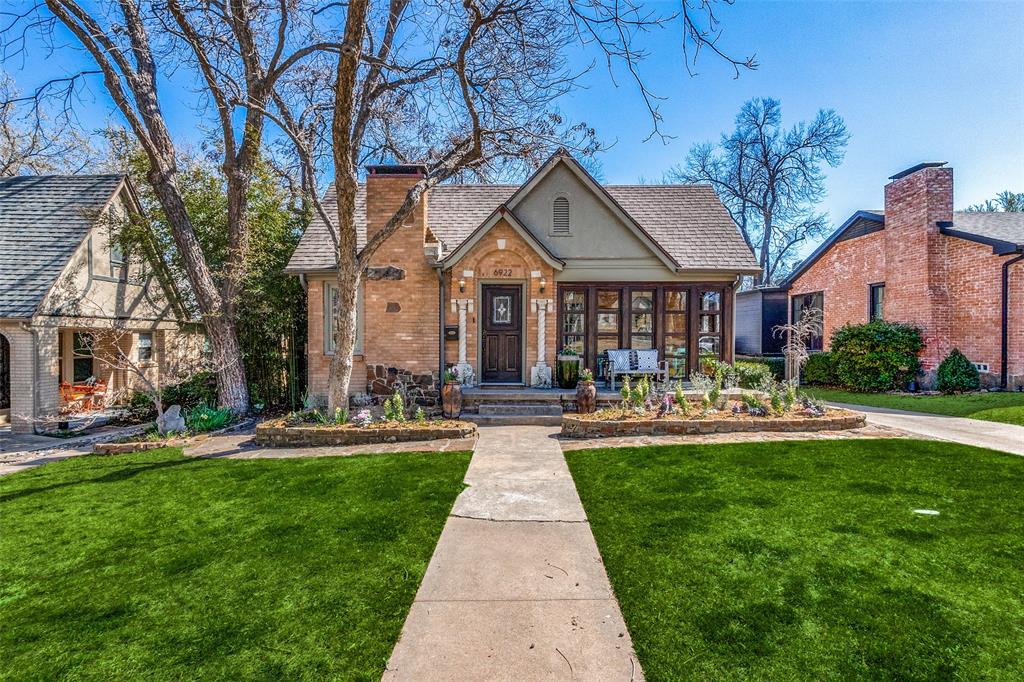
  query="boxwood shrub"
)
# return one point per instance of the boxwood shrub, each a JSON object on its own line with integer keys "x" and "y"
{"x": 877, "y": 356}
{"x": 957, "y": 374}
{"x": 820, "y": 370}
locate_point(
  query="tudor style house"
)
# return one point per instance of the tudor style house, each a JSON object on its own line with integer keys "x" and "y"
{"x": 958, "y": 275}
{"x": 496, "y": 279}
{"x": 68, "y": 298}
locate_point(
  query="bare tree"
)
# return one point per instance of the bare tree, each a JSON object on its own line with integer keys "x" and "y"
{"x": 798, "y": 335}
{"x": 467, "y": 89}
{"x": 32, "y": 142}
{"x": 771, "y": 178}
{"x": 237, "y": 51}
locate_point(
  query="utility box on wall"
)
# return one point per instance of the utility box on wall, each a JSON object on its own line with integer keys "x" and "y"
{"x": 451, "y": 332}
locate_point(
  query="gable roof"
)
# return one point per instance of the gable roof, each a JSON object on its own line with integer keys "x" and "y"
{"x": 43, "y": 219}
{"x": 510, "y": 217}
{"x": 1003, "y": 231}
{"x": 687, "y": 223}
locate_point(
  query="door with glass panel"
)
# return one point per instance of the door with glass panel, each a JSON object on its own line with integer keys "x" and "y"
{"x": 709, "y": 327}
{"x": 676, "y": 333}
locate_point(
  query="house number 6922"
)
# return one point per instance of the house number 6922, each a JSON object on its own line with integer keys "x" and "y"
{"x": 502, "y": 272}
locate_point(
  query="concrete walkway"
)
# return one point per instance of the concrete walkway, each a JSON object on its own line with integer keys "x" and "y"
{"x": 516, "y": 589}
{"x": 983, "y": 434}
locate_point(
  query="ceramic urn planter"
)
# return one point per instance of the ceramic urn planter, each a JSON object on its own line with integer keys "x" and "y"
{"x": 451, "y": 399}
{"x": 586, "y": 397}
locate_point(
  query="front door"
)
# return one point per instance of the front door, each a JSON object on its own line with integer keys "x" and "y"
{"x": 502, "y": 336}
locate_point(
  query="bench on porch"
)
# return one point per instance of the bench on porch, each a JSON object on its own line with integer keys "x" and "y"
{"x": 626, "y": 362}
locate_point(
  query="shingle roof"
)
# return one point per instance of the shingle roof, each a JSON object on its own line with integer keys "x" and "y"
{"x": 43, "y": 219}
{"x": 687, "y": 221}
{"x": 1001, "y": 226}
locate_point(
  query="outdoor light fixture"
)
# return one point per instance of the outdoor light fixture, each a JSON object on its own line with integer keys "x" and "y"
{"x": 543, "y": 284}
{"x": 462, "y": 286}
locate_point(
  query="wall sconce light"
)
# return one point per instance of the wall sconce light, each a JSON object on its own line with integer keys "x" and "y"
{"x": 462, "y": 286}
{"x": 543, "y": 284}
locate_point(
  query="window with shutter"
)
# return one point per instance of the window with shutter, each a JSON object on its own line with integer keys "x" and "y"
{"x": 560, "y": 216}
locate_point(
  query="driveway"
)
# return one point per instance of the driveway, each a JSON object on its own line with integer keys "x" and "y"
{"x": 983, "y": 434}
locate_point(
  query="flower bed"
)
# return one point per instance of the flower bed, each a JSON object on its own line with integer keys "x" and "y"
{"x": 280, "y": 433}
{"x": 618, "y": 422}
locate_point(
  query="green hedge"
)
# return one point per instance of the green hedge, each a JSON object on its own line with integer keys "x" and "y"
{"x": 777, "y": 365}
{"x": 820, "y": 370}
{"x": 957, "y": 374}
{"x": 877, "y": 356}
{"x": 200, "y": 389}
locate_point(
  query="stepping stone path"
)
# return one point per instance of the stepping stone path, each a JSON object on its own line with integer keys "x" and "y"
{"x": 516, "y": 589}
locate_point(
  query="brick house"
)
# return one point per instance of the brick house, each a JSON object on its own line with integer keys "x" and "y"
{"x": 495, "y": 279}
{"x": 64, "y": 293}
{"x": 957, "y": 275}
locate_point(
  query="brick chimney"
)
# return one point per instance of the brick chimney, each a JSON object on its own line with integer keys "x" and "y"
{"x": 400, "y": 299}
{"x": 916, "y": 201}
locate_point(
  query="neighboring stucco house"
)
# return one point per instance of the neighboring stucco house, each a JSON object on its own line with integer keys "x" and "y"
{"x": 958, "y": 275}
{"x": 496, "y": 278}
{"x": 64, "y": 293}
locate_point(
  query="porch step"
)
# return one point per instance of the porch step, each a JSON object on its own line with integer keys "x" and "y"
{"x": 513, "y": 419}
{"x": 521, "y": 409}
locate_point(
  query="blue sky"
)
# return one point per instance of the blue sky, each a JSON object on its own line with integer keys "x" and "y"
{"x": 915, "y": 81}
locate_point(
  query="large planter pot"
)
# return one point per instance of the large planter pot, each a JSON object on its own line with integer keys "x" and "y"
{"x": 451, "y": 399}
{"x": 567, "y": 371}
{"x": 586, "y": 397}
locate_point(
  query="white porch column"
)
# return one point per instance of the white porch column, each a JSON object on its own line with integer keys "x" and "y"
{"x": 463, "y": 305}
{"x": 540, "y": 374}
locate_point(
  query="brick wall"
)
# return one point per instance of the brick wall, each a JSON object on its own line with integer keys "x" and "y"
{"x": 22, "y": 377}
{"x": 950, "y": 287}
{"x": 515, "y": 262}
{"x": 318, "y": 363}
{"x": 401, "y": 316}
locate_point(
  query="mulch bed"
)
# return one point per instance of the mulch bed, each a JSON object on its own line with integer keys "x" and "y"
{"x": 276, "y": 434}
{"x": 595, "y": 425}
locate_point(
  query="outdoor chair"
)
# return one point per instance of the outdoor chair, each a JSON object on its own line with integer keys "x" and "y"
{"x": 626, "y": 362}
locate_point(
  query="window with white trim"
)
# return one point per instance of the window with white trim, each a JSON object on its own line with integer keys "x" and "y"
{"x": 145, "y": 347}
{"x": 330, "y": 298}
{"x": 560, "y": 216}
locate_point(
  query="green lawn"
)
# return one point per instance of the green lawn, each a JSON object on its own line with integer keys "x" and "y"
{"x": 165, "y": 568}
{"x": 994, "y": 407}
{"x": 804, "y": 560}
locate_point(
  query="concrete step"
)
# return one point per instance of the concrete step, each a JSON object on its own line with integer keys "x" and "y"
{"x": 523, "y": 409}
{"x": 513, "y": 419}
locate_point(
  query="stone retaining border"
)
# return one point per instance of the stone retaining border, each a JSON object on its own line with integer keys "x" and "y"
{"x": 574, "y": 427}
{"x": 277, "y": 436}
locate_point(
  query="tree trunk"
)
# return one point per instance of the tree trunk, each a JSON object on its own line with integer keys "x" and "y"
{"x": 232, "y": 389}
{"x": 344, "y": 335}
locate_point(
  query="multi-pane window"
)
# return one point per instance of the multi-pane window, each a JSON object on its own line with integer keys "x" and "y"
{"x": 574, "y": 320}
{"x": 801, "y": 305}
{"x": 145, "y": 347}
{"x": 641, "y": 323}
{"x": 709, "y": 326}
{"x": 331, "y": 322}
{"x": 675, "y": 319}
{"x": 876, "y": 299}
{"x": 676, "y": 331}
{"x": 81, "y": 355}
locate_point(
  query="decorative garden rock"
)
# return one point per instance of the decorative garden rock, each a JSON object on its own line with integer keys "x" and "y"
{"x": 171, "y": 420}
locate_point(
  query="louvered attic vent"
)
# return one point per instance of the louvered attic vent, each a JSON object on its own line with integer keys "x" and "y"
{"x": 560, "y": 216}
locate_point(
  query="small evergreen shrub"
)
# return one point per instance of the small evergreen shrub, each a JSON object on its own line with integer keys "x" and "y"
{"x": 777, "y": 365}
{"x": 820, "y": 370}
{"x": 957, "y": 374}
{"x": 877, "y": 356}
{"x": 753, "y": 374}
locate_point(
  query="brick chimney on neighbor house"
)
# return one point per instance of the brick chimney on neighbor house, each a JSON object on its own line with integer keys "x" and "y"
{"x": 400, "y": 288}
{"x": 916, "y": 201}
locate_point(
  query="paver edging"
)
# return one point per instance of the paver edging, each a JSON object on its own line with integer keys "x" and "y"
{"x": 575, "y": 427}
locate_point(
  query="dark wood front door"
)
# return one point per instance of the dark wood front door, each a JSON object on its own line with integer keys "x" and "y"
{"x": 502, "y": 336}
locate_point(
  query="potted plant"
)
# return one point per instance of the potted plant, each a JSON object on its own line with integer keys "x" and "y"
{"x": 451, "y": 394}
{"x": 586, "y": 392}
{"x": 567, "y": 368}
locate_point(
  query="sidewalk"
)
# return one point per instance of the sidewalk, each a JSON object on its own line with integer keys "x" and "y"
{"x": 516, "y": 589}
{"x": 983, "y": 434}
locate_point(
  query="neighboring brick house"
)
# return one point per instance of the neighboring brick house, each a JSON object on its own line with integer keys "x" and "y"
{"x": 957, "y": 275}
{"x": 65, "y": 296}
{"x": 496, "y": 278}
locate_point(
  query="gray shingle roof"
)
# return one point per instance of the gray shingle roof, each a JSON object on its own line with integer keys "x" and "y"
{"x": 43, "y": 219}
{"x": 1006, "y": 227}
{"x": 687, "y": 221}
